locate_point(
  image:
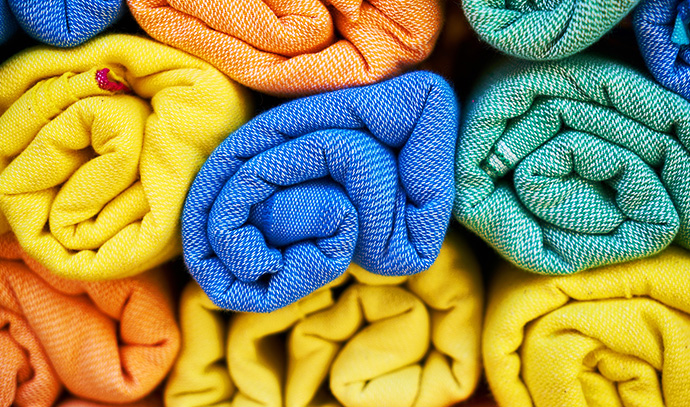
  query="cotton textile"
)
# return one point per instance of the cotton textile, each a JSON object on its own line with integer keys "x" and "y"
{"x": 384, "y": 341}
{"x": 7, "y": 23}
{"x": 100, "y": 145}
{"x": 284, "y": 204}
{"x": 614, "y": 336}
{"x": 63, "y": 23}
{"x": 568, "y": 165}
{"x": 110, "y": 341}
{"x": 296, "y": 48}
{"x": 656, "y": 23}
{"x": 544, "y": 29}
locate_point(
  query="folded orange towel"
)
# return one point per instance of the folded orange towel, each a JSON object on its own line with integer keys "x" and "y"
{"x": 154, "y": 400}
{"x": 111, "y": 341}
{"x": 298, "y": 47}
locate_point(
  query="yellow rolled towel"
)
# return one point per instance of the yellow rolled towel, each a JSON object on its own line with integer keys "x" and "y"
{"x": 100, "y": 144}
{"x": 373, "y": 340}
{"x": 613, "y": 336}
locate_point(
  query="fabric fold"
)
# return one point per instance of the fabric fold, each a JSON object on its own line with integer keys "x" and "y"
{"x": 661, "y": 27}
{"x": 110, "y": 341}
{"x": 573, "y": 164}
{"x": 613, "y": 336}
{"x": 544, "y": 29}
{"x": 371, "y": 340}
{"x": 100, "y": 145}
{"x": 284, "y": 204}
{"x": 63, "y": 23}
{"x": 7, "y": 23}
{"x": 299, "y": 47}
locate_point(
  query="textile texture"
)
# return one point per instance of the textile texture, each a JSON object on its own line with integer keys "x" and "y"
{"x": 284, "y": 204}
{"x": 544, "y": 29}
{"x": 64, "y": 23}
{"x": 665, "y": 52}
{"x": 373, "y": 341}
{"x": 614, "y": 336}
{"x": 7, "y": 23}
{"x": 108, "y": 341}
{"x": 153, "y": 400}
{"x": 568, "y": 165}
{"x": 293, "y": 48}
{"x": 100, "y": 145}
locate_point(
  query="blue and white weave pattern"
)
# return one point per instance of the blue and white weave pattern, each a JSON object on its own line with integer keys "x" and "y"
{"x": 285, "y": 203}
{"x": 63, "y": 23}
{"x": 661, "y": 27}
{"x": 7, "y": 24}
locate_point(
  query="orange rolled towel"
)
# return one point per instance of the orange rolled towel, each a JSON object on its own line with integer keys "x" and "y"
{"x": 110, "y": 341}
{"x": 297, "y": 47}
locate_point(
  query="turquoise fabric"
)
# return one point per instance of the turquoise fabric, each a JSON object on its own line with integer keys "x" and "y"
{"x": 567, "y": 165}
{"x": 544, "y": 29}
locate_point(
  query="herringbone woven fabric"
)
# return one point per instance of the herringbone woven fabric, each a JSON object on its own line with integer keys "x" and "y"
{"x": 7, "y": 23}
{"x": 282, "y": 205}
{"x": 109, "y": 341}
{"x": 614, "y": 336}
{"x": 384, "y": 341}
{"x": 666, "y": 57}
{"x": 568, "y": 165}
{"x": 100, "y": 145}
{"x": 544, "y": 29}
{"x": 63, "y": 23}
{"x": 293, "y": 48}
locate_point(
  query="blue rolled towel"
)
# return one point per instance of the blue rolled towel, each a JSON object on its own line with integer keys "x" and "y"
{"x": 662, "y": 30}
{"x": 63, "y": 23}
{"x": 285, "y": 203}
{"x": 7, "y": 23}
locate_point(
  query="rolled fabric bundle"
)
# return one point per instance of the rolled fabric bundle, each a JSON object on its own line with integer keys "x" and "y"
{"x": 63, "y": 23}
{"x": 384, "y": 341}
{"x": 544, "y": 29}
{"x": 661, "y": 27}
{"x": 568, "y": 165}
{"x": 7, "y": 23}
{"x": 613, "y": 336}
{"x": 282, "y": 205}
{"x": 100, "y": 145}
{"x": 108, "y": 341}
{"x": 294, "y": 48}
{"x": 154, "y": 400}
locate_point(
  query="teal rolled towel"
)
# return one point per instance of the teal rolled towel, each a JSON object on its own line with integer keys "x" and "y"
{"x": 567, "y": 165}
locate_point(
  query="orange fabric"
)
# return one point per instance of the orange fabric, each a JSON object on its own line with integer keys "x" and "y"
{"x": 110, "y": 341}
{"x": 154, "y": 400}
{"x": 297, "y": 47}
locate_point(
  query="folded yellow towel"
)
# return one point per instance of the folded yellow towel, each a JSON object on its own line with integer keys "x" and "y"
{"x": 383, "y": 341}
{"x": 100, "y": 144}
{"x": 613, "y": 336}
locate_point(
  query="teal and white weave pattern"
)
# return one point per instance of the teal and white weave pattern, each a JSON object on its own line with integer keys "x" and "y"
{"x": 563, "y": 166}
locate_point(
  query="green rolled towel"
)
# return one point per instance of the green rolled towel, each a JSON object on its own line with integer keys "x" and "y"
{"x": 544, "y": 29}
{"x": 567, "y": 165}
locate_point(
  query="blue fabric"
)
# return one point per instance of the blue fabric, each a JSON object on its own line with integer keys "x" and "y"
{"x": 284, "y": 204}
{"x": 661, "y": 27}
{"x": 7, "y": 24}
{"x": 65, "y": 23}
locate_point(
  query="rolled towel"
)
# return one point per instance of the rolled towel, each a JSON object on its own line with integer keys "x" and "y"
{"x": 281, "y": 206}
{"x": 614, "y": 336}
{"x": 7, "y": 22}
{"x": 63, "y": 23}
{"x": 568, "y": 165}
{"x": 661, "y": 27}
{"x": 100, "y": 145}
{"x": 108, "y": 341}
{"x": 291, "y": 48}
{"x": 154, "y": 400}
{"x": 544, "y": 29}
{"x": 383, "y": 341}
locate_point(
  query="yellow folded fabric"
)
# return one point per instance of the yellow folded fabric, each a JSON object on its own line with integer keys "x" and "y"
{"x": 383, "y": 341}
{"x": 100, "y": 144}
{"x": 613, "y": 336}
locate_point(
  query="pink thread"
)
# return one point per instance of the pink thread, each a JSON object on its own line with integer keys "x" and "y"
{"x": 105, "y": 83}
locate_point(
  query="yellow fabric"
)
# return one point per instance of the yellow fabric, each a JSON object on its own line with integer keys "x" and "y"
{"x": 92, "y": 181}
{"x": 384, "y": 341}
{"x": 613, "y": 336}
